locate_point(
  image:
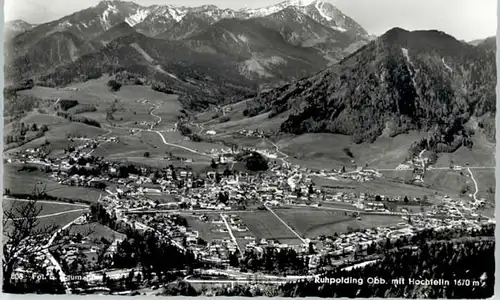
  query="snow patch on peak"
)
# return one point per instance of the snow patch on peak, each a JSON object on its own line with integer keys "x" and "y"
{"x": 301, "y": 2}
{"x": 177, "y": 15}
{"x": 138, "y": 17}
{"x": 319, "y": 7}
{"x": 111, "y": 9}
{"x": 65, "y": 24}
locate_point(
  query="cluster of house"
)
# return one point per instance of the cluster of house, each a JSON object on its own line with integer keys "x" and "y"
{"x": 345, "y": 244}
{"x": 419, "y": 165}
{"x": 360, "y": 174}
{"x": 283, "y": 185}
{"x": 251, "y": 133}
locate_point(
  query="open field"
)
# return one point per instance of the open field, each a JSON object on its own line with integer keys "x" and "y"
{"x": 311, "y": 223}
{"x": 482, "y": 154}
{"x": 59, "y": 130}
{"x": 235, "y": 113}
{"x": 263, "y": 224}
{"x": 48, "y": 215}
{"x": 207, "y": 231}
{"x": 367, "y": 221}
{"x": 47, "y": 209}
{"x": 486, "y": 183}
{"x": 134, "y": 101}
{"x": 96, "y": 231}
{"x": 448, "y": 181}
{"x": 305, "y": 220}
{"x": 132, "y": 149}
{"x": 24, "y": 182}
{"x": 261, "y": 122}
{"x": 380, "y": 186}
{"x": 326, "y": 151}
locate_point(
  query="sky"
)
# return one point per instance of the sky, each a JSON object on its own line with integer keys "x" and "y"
{"x": 464, "y": 19}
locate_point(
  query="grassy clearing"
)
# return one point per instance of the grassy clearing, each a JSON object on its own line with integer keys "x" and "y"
{"x": 486, "y": 183}
{"x": 133, "y": 108}
{"x": 24, "y": 182}
{"x": 96, "y": 231}
{"x": 57, "y": 136}
{"x": 326, "y": 151}
{"x": 261, "y": 122}
{"x": 367, "y": 221}
{"x": 132, "y": 148}
{"x": 448, "y": 181}
{"x": 482, "y": 154}
{"x": 306, "y": 220}
{"x": 57, "y": 220}
{"x": 46, "y": 208}
{"x": 207, "y": 231}
{"x": 381, "y": 186}
{"x": 47, "y": 93}
{"x": 263, "y": 224}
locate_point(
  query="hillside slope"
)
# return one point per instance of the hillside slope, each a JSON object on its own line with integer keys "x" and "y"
{"x": 259, "y": 51}
{"x": 420, "y": 80}
{"x": 206, "y": 76}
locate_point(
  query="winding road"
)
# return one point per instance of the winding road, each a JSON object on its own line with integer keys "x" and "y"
{"x": 178, "y": 146}
{"x": 283, "y": 159}
{"x": 151, "y": 129}
{"x": 475, "y": 185}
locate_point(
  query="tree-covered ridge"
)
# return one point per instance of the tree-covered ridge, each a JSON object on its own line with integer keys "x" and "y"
{"x": 424, "y": 80}
{"x": 473, "y": 260}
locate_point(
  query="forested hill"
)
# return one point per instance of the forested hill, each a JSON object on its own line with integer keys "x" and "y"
{"x": 473, "y": 260}
{"x": 422, "y": 80}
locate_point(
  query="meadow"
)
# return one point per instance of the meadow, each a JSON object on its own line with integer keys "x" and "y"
{"x": 23, "y": 182}
{"x": 207, "y": 231}
{"x": 380, "y": 186}
{"x": 263, "y": 224}
{"x": 96, "y": 231}
{"x": 306, "y": 220}
{"x": 51, "y": 214}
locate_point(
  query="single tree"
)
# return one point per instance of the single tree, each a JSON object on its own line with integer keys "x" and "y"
{"x": 25, "y": 239}
{"x": 114, "y": 85}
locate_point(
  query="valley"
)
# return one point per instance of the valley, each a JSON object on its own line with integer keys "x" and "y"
{"x": 145, "y": 131}
{"x": 170, "y": 150}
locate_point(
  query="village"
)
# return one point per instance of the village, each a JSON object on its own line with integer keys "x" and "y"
{"x": 213, "y": 200}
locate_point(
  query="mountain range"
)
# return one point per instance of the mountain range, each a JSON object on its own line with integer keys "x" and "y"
{"x": 16, "y": 27}
{"x": 320, "y": 68}
{"x": 328, "y": 27}
{"x": 418, "y": 80}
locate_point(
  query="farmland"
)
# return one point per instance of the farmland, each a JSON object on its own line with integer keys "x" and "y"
{"x": 311, "y": 223}
{"x": 96, "y": 231}
{"x": 23, "y": 182}
{"x": 381, "y": 186}
{"x": 486, "y": 183}
{"x": 263, "y": 224}
{"x": 47, "y": 208}
{"x": 51, "y": 213}
{"x": 207, "y": 231}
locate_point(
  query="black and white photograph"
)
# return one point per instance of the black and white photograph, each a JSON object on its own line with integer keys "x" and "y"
{"x": 303, "y": 148}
